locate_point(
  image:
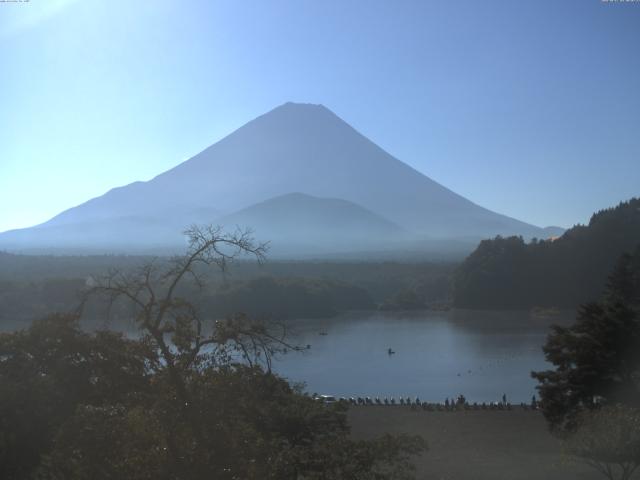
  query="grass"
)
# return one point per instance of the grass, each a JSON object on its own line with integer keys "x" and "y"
{"x": 475, "y": 445}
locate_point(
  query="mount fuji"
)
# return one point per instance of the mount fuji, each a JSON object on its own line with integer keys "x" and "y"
{"x": 300, "y": 176}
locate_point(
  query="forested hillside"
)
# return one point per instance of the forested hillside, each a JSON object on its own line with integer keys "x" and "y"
{"x": 562, "y": 272}
{"x": 33, "y": 286}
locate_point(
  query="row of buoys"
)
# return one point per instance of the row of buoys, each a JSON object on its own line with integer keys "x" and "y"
{"x": 458, "y": 404}
{"x": 379, "y": 401}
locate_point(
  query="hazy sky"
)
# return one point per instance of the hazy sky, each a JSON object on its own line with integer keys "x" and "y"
{"x": 529, "y": 108}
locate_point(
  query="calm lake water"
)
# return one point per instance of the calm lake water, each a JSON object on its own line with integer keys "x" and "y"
{"x": 480, "y": 354}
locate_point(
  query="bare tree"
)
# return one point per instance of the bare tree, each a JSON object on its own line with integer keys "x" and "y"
{"x": 184, "y": 337}
{"x": 608, "y": 439}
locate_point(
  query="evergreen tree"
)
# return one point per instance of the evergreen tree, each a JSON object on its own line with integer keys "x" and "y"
{"x": 597, "y": 359}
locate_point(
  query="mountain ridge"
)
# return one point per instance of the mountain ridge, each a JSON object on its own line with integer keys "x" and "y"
{"x": 300, "y": 222}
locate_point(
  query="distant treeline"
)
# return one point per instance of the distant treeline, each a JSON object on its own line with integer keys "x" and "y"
{"x": 33, "y": 286}
{"x": 287, "y": 298}
{"x": 562, "y": 272}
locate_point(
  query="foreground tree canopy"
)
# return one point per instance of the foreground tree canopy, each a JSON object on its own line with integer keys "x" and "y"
{"x": 188, "y": 398}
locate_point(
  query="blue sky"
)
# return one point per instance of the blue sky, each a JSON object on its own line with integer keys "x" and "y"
{"x": 529, "y": 108}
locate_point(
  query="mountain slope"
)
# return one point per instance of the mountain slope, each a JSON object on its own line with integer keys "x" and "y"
{"x": 300, "y": 222}
{"x": 293, "y": 148}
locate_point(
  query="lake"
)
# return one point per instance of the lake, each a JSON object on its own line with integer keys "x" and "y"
{"x": 480, "y": 354}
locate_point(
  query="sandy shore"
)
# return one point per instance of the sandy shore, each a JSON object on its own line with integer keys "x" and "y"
{"x": 476, "y": 445}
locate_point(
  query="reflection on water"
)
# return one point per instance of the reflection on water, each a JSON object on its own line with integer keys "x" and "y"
{"x": 438, "y": 354}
